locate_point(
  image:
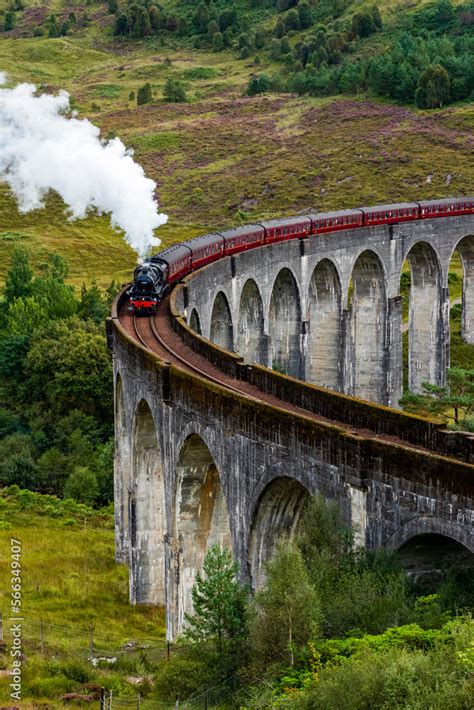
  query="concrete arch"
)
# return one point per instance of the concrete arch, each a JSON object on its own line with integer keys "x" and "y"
{"x": 465, "y": 247}
{"x": 146, "y": 511}
{"x": 324, "y": 358}
{"x": 277, "y": 514}
{"x": 425, "y": 341}
{"x": 251, "y": 341}
{"x": 285, "y": 324}
{"x": 368, "y": 313}
{"x": 202, "y": 518}
{"x": 122, "y": 473}
{"x": 221, "y": 331}
{"x": 195, "y": 321}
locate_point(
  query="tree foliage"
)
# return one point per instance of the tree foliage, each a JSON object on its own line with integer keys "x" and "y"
{"x": 219, "y": 602}
{"x": 455, "y": 401}
{"x": 55, "y": 379}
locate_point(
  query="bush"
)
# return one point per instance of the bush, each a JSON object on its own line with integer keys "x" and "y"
{"x": 181, "y": 677}
{"x": 258, "y": 85}
{"x": 174, "y": 91}
{"x": 82, "y": 486}
{"x": 144, "y": 94}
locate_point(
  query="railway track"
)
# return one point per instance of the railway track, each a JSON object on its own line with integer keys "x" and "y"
{"x": 144, "y": 339}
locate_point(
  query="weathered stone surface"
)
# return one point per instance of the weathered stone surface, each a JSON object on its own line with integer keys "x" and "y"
{"x": 196, "y": 464}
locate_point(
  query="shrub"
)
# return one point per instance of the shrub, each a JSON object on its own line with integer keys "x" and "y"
{"x": 9, "y": 21}
{"x": 181, "y": 677}
{"x": 174, "y": 91}
{"x": 82, "y": 486}
{"x": 144, "y": 94}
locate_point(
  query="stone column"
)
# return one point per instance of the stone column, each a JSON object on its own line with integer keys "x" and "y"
{"x": 442, "y": 350}
{"x": 394, "y": 349}
{"x": 467, "y": 256}
{"x": 347, "y": 353}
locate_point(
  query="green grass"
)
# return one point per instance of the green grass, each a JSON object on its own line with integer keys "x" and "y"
{"x": 70, "y": 581}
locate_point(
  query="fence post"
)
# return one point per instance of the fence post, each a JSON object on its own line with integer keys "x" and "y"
{"x": 42, "y": 636}
{"x": 102, "y": 699}
{"x": 91, "y": 640}
{"x": 206, "y": 705}
{"x": 1, "y": 625}
{"x": 138, "y": 701}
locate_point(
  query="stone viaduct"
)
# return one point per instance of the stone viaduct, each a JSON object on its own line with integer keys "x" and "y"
{"x": 198, "y": 463}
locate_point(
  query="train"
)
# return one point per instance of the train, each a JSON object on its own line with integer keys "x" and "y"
{"x": 155, "y": 277}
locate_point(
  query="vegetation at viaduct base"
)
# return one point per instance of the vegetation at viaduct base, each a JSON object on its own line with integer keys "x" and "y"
{"x": 333, "y": 627}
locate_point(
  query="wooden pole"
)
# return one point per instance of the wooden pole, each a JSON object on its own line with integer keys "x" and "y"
{"x": 42, "y": 636}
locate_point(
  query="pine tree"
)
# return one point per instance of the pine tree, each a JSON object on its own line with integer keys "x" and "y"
{"x": 219, "y": 602}
{"x": 174, "y": 91}
{"x": 304, "y": 15}
{"x": 201, "y": 18}
{"x": 9, "y": 22}
{"x": 144, "y": 95}
{"x": 19, "y": 278}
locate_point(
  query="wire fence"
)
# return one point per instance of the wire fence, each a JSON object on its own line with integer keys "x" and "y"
{"x": 222, "y": 696}
{"x": 79, "y": 643}
{"x": 85, "y": 643}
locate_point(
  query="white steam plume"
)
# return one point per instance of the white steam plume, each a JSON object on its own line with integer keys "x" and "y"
{"x": 42, "y": 149}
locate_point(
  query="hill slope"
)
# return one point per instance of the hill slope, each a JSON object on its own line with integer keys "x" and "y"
{"x": 221, "y": 157}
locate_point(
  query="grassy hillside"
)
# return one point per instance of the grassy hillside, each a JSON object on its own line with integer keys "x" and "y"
{"x": 221, "y": 157}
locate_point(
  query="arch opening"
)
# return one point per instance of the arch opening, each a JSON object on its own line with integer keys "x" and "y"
{"x": 277, "y": 515}
{"x": 251, "y": 339}
{"x": 428, "y": 558}
{"x": 194, "y": 322}
{"x": 285, "y": 325}
{"x": 368, "y": 306}
{"x": 146, "y": 513}
{"x": 221, "y": 323}
{"x": 461, "y": 294}
{"x": 202, "y": 519}
{"x": 420, "y": 285}
{"x": 324, "y": 364}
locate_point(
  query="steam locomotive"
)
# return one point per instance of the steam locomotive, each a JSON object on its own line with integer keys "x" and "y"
{"x": 154, "y": 277}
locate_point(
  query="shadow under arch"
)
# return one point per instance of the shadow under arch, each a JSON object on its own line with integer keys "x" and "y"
{"x": 324, "y": 365}
{"x": 465, "y": 248}
{"x": 194, "y": 322}
{"x": 277, "y": 514}
{"x": 425, "y": 342}
{"x": 284, "y": 324}
{"x": 368, "y": 312}
{"x": 146, "y": 513}
{"x": 202, "y": 518}
{"x": 251, "y": 343}
{"x": 427, "y": 558}
{"x": 221, "y": 332}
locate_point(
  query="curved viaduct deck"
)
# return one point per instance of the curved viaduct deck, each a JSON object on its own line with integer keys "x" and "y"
{"x": 230, "y": 452}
